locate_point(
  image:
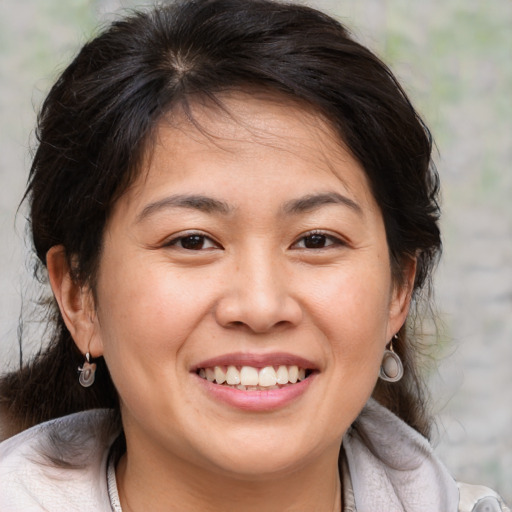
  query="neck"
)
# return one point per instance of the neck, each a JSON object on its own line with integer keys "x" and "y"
{"x": 152, "y": 483}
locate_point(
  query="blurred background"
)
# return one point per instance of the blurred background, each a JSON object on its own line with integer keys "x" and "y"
{"x": 454, "y": 58}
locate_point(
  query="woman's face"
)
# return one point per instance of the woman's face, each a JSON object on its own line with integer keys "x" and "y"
{"x": 251, "y": 247}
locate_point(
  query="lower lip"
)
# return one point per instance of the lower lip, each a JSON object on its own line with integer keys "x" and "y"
{"x": 257, "y": 400}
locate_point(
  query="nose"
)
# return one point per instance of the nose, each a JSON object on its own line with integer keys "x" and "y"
{"x": 258, "y": 297}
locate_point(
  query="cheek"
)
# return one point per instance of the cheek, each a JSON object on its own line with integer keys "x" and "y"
{"x": 146, "y": 313}
{"x": 352, "y": 310}
{"x": 144, "y": 323}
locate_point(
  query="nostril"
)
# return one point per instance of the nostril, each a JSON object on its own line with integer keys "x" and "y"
{"x": 239, "y": 324}
{"x": 258, "y": 309}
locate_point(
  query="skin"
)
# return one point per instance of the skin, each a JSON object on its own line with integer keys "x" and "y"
{"x": 254, "y": 286}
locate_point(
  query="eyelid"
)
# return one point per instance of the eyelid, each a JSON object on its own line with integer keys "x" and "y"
{"x": 335, "y": 238}
{"x": 173, "y": 240}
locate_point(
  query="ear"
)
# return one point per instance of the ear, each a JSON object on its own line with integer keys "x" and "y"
{"x": 401, "y": 298}
{"x": 76, "y": 303}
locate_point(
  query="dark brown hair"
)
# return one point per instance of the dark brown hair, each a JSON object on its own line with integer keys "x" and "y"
{"x": 100, "y": 115}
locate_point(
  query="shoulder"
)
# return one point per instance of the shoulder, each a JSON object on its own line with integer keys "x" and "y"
{"x": 389, "y": 462}
{"x": 477, "y": 498}
{"x": 54, "y": 466}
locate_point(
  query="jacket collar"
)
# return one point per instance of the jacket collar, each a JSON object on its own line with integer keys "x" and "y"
{"x": 389, "y": 462}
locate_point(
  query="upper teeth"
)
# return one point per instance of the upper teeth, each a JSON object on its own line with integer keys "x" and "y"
{"x": 249, "y": 376}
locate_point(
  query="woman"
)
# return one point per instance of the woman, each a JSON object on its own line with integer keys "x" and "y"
{"x": 236, "y": 206}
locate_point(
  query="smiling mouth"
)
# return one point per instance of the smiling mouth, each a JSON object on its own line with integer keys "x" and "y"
{"x": 249, "y": 378}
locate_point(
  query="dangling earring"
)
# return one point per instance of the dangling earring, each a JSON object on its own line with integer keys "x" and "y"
{"x": 87, "y": 372}
{"x": 391, "y": 369}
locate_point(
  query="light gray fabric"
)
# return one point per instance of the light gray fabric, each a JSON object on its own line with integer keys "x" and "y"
{"x": 391, "y": 463}
{"x": 30, "y": 481}
{"x": 477, "y": 498}
{"x": 387, "y": 466}
{"x": 115, "y": 502}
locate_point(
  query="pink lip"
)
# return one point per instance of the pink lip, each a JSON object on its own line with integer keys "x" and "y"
{"x": 265, "y": 400}
{"x": 256, "y": 361}
{"x": 256, "y": 401}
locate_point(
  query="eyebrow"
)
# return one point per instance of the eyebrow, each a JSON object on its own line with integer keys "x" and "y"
{"x": 193, "y": 202}
{"x": 314, "y": 201}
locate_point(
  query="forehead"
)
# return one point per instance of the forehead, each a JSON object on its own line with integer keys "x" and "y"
{"x": 257, "y": 135}
{"x": 251, "y": 116}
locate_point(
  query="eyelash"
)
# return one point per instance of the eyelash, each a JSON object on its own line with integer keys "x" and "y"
{"x": 200, "y": 239}
{"x": 334, "y": 241}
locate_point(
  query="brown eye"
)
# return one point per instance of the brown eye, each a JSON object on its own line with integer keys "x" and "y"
{"x": 315, "y": 241}
{"x": 193, "y": 242}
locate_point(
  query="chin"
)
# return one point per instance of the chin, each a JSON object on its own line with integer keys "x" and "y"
{"x": 258, "y": 467}
{"x": 262, "y": 457}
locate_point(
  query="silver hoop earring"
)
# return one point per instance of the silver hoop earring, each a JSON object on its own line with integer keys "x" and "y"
{"x": 391, "y": 369}
{"x": 87, "y": 372}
